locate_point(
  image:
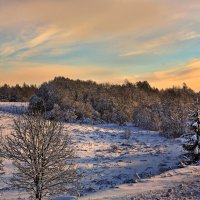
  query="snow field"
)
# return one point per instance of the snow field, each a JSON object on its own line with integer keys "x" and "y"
{"x": 107, "y": 156}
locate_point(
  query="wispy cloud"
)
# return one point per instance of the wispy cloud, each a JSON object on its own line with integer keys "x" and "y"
{"x": 190, "y": 70}
{"x": 28, "y": 43}
{"x": 42, "y": 37}
{"x": 155, "y": 46}
{"x": 89, "y": 18}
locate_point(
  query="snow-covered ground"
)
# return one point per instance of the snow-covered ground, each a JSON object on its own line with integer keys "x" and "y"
{"x": 111, "y": 155}
{"x": 112, "y": 159}
{"x": 175, "y": 184}
{"x": 13, "y": 107}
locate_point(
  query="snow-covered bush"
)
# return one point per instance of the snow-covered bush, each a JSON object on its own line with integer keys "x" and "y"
{"x": 148, "y": 115}
{"x": 36, "y": 105}
{"x": 176, "y": 105}
{"x": 174, "y": 121}
{"x": 49, "y": 94}
{"x": 83, "y": 110}
{"x": 119, "y": 117}
{"x": 69, "y": 115}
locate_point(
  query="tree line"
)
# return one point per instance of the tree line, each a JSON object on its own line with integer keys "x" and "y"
{"x": 17, "y": 92}
{"x": 163, "y": 110}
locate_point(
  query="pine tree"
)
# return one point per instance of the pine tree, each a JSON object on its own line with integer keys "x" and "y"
{"x": 193, "y": 144}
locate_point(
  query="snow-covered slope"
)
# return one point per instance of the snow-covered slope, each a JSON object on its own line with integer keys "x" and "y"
{"x": 109, "y": 157}
{"x": 174, "y": 184}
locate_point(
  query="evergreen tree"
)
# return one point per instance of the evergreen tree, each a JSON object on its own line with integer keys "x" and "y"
{"x": 193, "y": 144}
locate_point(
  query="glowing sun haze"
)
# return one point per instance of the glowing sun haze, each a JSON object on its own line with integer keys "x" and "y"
{"x": 100, "y": 40}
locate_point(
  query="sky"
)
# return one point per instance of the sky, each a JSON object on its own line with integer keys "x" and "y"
{"x": 101, "y": 40}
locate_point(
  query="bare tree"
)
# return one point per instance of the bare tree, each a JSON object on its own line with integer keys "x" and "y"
{"x": 42, "y": 154}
